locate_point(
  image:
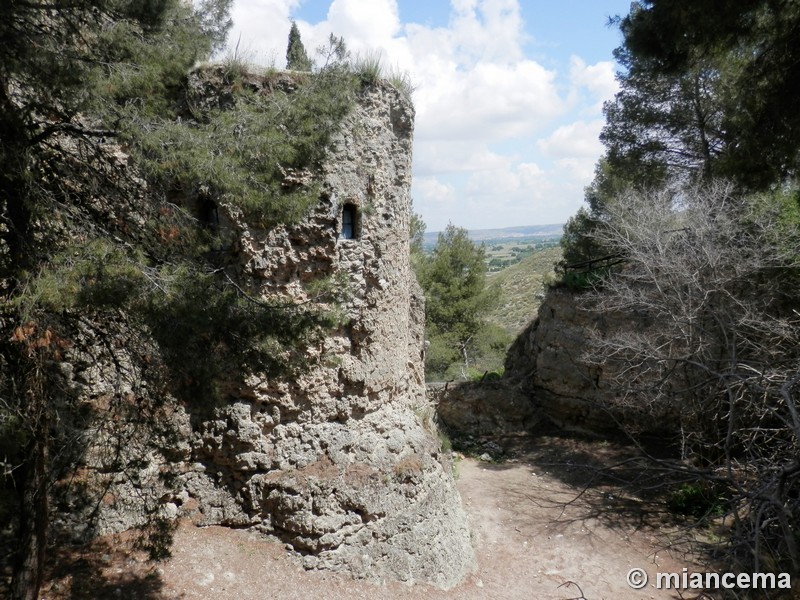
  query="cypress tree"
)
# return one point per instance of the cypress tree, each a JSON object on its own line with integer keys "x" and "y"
{"x": 296, "y": 57}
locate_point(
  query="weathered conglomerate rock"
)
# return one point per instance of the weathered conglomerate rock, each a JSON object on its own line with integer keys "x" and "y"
{"x": 548, "y": 359}
{"x": 484, "y": 408}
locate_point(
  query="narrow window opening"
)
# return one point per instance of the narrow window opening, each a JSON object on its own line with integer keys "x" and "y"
{"x": 350, "y": 225}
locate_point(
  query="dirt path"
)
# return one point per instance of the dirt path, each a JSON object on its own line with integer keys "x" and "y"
{"x": 532, "y": 533}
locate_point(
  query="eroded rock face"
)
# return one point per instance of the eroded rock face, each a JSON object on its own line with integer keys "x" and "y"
{"x": 492, "y": 408}
{"x": 548, "y": 359}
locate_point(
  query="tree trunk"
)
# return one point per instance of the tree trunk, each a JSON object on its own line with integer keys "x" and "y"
{"x": 34, "y": 508}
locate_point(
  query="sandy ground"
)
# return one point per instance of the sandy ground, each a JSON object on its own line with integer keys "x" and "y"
{"x": 539, "y": 520}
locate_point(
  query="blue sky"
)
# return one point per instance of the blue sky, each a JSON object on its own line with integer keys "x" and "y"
{"x": 508, "y": 93}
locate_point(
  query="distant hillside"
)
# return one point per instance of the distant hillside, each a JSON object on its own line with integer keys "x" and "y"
{"x": 521, "y": 287}
{"x": 505, "y": 234}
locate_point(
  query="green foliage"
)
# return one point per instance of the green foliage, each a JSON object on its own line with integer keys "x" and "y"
{"x": 457, "y": 302}
{"x": 237, "y": 65}
{"x": 401, "y": 80}
{"x": 489, "y": 346}
{"x": 85, "y": 69}
{"x": 665, "y": 125}
{"x": 236, "y": 154}
{"x": 579, "y": 244}
{"x": 98, "y": 275}
{"x": 251, "y": 152}
{"x": 442, "y": 353}
{"x": 454, "y": 279}
{"x": 782, "y": 208}
{"x": 70, "y": 58}
{"x": 296, "y": 57}
{"x": 699, "y": 98}
{"x": 139, "y": 73}
{"x": 754, "y": 45}
{"x": 522, "y": 286}
{"x": 77, "y": 265}
{"x": 701, "y": 500}
{"x": 416, "y": 239}
{"x": 206, "y": 326}
{"x": 368, "y": 67}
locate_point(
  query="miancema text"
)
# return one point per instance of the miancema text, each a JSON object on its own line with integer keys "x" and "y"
{"x": 728, "y": 581}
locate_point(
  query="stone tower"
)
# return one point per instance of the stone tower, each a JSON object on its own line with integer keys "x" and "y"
{"x": 340, "y": 463}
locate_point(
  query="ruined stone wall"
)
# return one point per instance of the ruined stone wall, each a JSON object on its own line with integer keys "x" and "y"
{"x": 547, "y": 358}
{"x": 484, "y": 408}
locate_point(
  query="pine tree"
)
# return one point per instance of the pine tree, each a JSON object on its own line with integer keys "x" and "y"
{"x": 699, "y": 98}
{"x": 77, "y": 70}
{"x": 755, "y": 42}
{"x": 457, "y": 299}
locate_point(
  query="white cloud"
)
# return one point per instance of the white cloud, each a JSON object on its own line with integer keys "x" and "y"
{"x": 576, "y": 140}
{"x": 369, "y": 23}
{"x": 596, "y": 83}
{"x": 487, "y": 30}
{"x": 434, "y": 190}
{"x": 495, "y": 185}
{"x": 479, "y": 103}
{"x": 575, "y": 149}
{"x": 263, "y": 28}
{"x": 600, "y": 78}
{"x": 488, "y": 102}
{"x": 367, "y": 27}
{"x": 447, "y": 157}
{"x": 580, "y": 171}
{"x": 436, "y": 200}
{"x": 508, "y": 193}
{"x": 532, "y": 176}
{"x": 473, "y": 80}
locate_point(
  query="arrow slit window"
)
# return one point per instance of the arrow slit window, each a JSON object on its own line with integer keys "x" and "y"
{"x": 350, "y": 223}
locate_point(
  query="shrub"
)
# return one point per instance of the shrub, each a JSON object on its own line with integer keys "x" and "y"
{"x": 717, "y": 359}
{"x": 401, "y": 80}
{"x": 252, "y": 152}
{"x": 368, "y": 68}
{"x": 701, "y": 500}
